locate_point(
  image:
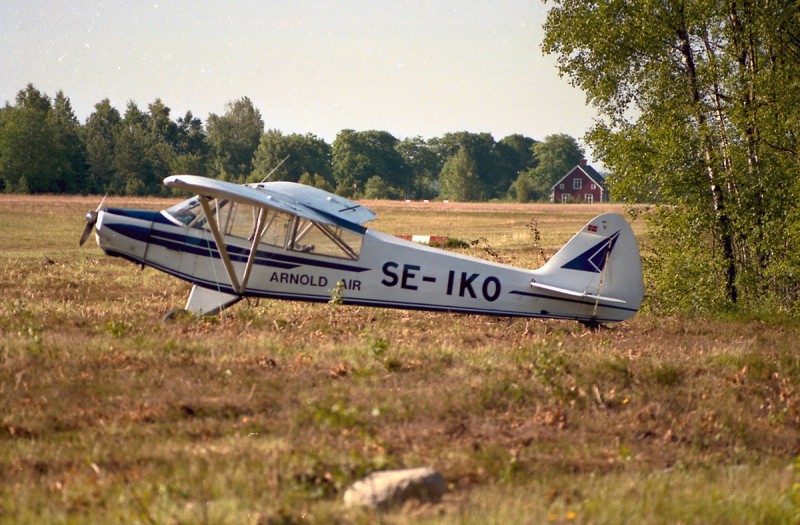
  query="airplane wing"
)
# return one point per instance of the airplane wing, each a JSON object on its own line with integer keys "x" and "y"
{"x": 311, "y": 203}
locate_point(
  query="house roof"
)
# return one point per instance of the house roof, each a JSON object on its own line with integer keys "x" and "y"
{"x": 588, "y": 171}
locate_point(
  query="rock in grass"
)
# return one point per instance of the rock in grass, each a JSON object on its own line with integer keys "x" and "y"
{"x": 389, "y": 488}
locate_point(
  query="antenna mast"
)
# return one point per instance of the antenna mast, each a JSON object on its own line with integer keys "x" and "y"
{"x": 274, "y": 169}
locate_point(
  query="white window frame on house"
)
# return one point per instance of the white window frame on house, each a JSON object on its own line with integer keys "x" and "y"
{"x": 564, "y": 198}
{"x": 577, "y": 184}
{"x": 561, "y": 186}
{"x": 588, "y": 198}
{"x": 594, "y": 186}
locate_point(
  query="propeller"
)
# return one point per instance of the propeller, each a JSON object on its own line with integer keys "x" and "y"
{"x": 91, "y": 220}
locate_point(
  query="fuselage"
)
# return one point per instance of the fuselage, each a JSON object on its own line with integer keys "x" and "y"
{"x": 377, "y": 270}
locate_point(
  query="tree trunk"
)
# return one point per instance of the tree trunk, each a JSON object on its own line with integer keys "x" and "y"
{"x": 717, "y": 195}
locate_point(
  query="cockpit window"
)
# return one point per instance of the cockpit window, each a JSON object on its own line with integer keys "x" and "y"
{"x": 324, "y": 239}
{"x": 279, "y": 229}
{"x": 304, "y": 235}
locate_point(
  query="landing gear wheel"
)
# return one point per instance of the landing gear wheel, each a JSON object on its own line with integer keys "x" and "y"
{"x": 592, "y": 324}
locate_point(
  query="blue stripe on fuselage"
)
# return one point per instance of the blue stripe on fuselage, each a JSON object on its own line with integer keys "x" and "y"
{"x": 205, "y": 247}
{"x": 141, "y": 215}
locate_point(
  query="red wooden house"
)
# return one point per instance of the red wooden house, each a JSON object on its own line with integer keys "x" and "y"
{"x": 581, "y": 184}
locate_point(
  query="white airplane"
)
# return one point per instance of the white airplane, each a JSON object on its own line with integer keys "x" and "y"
{"x": 283, "y": 240}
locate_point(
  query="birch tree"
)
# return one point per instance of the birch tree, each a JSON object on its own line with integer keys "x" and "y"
{"x": 699, "y": 113}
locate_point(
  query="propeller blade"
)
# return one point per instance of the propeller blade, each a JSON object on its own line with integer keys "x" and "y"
{"x": 87, "y": 231}
{"x": 102, "y": 201}
{"x": 91, "y": 220}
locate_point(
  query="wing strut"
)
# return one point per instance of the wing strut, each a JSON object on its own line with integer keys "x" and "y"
{"x": 253, "y": 248}
{"x": 223, "y": 252}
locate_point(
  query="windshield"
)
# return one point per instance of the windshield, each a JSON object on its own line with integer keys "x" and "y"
{"x": 184, "y": 212}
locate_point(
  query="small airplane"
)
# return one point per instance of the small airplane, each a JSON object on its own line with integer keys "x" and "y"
{"x": 283, "y": 240}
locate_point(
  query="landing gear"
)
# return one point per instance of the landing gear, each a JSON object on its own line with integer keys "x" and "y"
{"x": 592, "y": 324}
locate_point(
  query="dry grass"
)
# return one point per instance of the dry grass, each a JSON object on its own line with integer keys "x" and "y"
{"x": 267, "y": 414}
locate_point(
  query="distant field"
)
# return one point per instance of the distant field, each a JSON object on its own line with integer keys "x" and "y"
{"x": 505, "y": 225}
{"x": 267, "y": 414}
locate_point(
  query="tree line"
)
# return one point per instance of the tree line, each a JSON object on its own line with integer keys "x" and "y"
{"x": 45, "y": 149}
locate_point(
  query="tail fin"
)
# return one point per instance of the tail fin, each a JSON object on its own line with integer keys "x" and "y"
{"x": 600, "y": 263}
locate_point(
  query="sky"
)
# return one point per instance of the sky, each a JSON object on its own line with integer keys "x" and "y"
{"x": 426, "y": 67}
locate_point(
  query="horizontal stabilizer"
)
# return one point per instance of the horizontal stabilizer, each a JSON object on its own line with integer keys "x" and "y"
{"x": 574, "y": 293}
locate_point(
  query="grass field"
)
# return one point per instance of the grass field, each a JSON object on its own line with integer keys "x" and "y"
{"x": 267, "y": 414}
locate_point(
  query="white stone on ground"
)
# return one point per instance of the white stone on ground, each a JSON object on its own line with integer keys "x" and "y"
{"x": 389, "y": 488}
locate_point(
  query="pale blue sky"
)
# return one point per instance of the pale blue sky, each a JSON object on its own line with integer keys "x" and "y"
{"x": 410, "y": 68}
